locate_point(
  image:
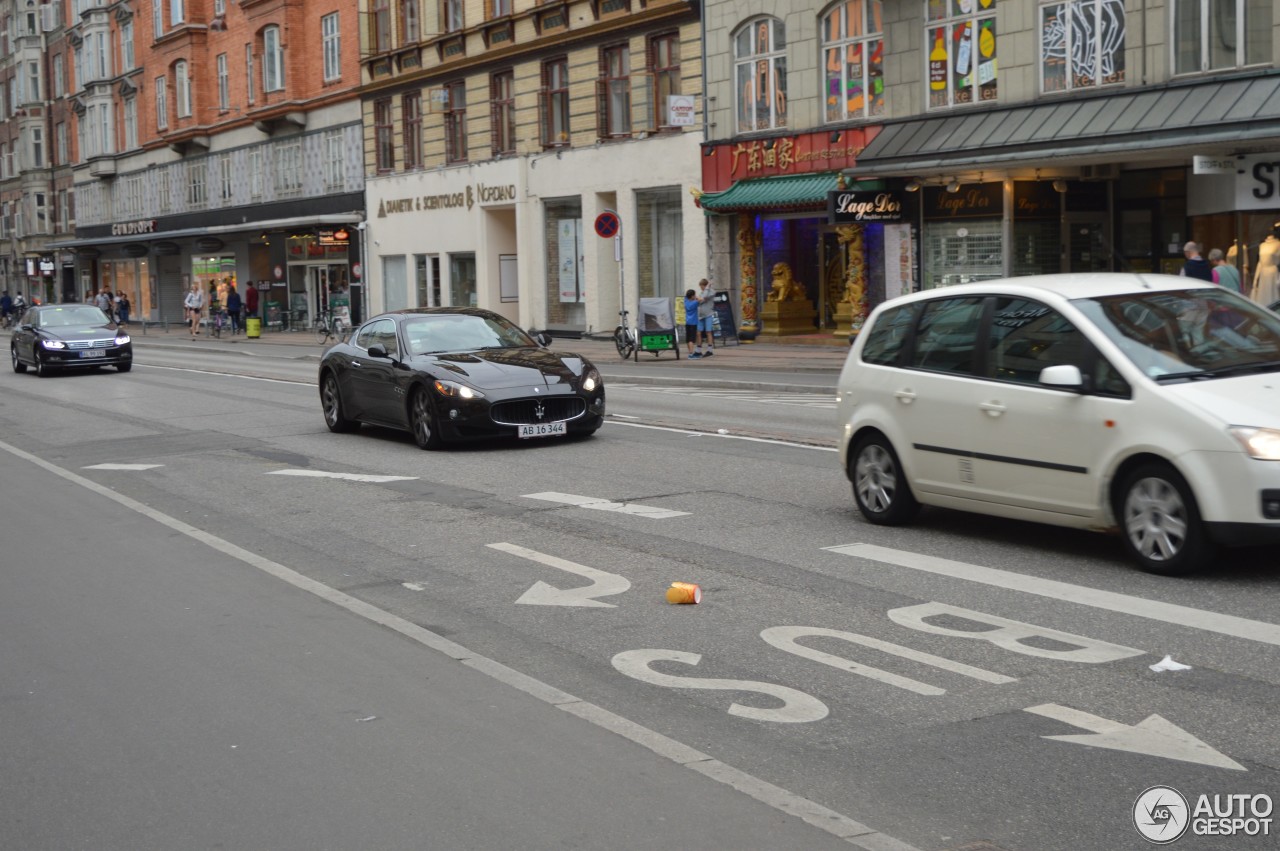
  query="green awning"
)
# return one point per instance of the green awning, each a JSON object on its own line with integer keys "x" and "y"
{"x": 790, "y": 192}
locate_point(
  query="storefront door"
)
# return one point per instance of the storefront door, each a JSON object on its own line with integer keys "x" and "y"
{"x": 1088, "y": 249}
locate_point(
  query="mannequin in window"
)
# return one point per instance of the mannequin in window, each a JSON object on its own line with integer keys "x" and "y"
{"x": 1267, "y": 275}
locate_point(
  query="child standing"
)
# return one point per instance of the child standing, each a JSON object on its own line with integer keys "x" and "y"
{"x": 691, "y": 322}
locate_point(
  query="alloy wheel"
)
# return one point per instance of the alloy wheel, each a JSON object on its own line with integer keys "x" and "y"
{"x": 1155, "y": 519}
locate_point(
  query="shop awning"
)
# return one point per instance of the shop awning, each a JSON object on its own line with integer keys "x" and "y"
{"x": 789, "y": 192}
{"x": 1188, "y": 116}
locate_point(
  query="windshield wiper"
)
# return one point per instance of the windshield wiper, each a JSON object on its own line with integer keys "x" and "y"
{"x": 1223, "y": 371}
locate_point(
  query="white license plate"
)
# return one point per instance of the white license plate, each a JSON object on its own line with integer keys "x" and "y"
{"x": 541, "y": 429}
{"x": 93, "y": 353}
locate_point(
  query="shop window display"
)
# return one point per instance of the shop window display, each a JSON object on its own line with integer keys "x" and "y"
{"x": 1081, "y": 44}
{"x": 960, "y": 49}
{"x": 853, "y": 60}
{"x": 760, "y": 74}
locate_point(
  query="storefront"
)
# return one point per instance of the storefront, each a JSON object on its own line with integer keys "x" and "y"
{"x": 772, "y": 236}
{"x": 1234, "y": 206}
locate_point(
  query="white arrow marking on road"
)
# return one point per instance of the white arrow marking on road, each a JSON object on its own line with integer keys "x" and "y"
{"x": 606, "y": 505}
{"x": 541, "y": 594}
{"x": 123, "y": 467}
{"x": 1152, "y": 737}
{"x": 349, "y": 477}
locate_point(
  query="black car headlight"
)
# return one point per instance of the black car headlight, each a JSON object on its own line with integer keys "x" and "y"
{"x": 454, "y": 390}
{"x": 53, "y": 344}
{"x": 591, "y": 381}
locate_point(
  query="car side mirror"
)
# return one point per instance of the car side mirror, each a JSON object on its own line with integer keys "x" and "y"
{"x": 377, "y": 350}
{"x": 1064, "y": 375}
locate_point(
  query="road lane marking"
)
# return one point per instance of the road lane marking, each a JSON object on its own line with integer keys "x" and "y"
{"x": 349, "y": 477}
{"x": 786, "y": 638}
{"x": 1155, "y": 736}
{"x": 1126, "y": 604}
{"x": 605, "y": 505}
{"x": 541, "y": 594}
{"x": 810, "y": 812}
{"x": 123, "y": 467}
{"x": 770, "y": 440}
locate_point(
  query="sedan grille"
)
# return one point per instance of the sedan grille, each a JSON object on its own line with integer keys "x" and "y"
{"x": 526, "y": 411}
{"x": 90, "y": 344}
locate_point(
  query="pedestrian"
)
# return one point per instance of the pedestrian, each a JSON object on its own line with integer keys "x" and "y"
{"x": 89, "y": 297}
{"x": 6, "y": 308}
{"x": 104, "y": 302}
{"x": 194, "y": 304}
{"x": 1224, "y": 274}
{"x": 1196, "y": 266}
{"x": 122, "y": 308}
{"x": 691, "y": 322}
{"x": 706, "y": 318}
{"x": 251, "y": 300}
{"x": 233, "y": 308}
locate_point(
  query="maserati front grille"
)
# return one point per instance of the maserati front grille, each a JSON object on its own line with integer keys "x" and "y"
{"x": 533, "y": 411}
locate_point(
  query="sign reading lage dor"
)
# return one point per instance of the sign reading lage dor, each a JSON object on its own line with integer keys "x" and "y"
{"x": 846, "y": 207}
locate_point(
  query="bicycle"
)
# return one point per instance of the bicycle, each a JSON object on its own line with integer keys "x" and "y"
{"x": 330, "y": 326}
{"x": 218, "y": 321}
{"x": 624, "y": 338}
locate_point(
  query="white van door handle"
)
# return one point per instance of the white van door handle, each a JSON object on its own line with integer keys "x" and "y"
{"x": 906, "y": 397}
{"x": 993, "y": 409}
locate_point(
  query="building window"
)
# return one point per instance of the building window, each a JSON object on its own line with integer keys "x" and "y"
{"x": 59, "y": 76}
{"x": 157, "y": 18}
{"x": 453, "y": 20}
{"x": 331, "y": 41}
{"x": 60, "y": 140}
{"x": 288, "y": 168}
{"x": 272, "y": 60}
{"x": 381, "y": 25}
{"x": 219, "y": 8}
{"x": 455, "y": 123}
{"x": 130, "y": 123}
{"x": 1212, "y": 35}
{"x": 162, "y": 104}
{"x": 33, "y": 81}
{"x": 335, "y": 163}
{"x": 224, "y": 83}
{"x": 164, "y": 189}
{"x": 177, "y": 12}
{"x": 664, "y": 69}
{"x": 126, "y": 46}
{"x": 384, "y": 135}
{"x": 960, "y": 48}
{"x": 502, "y": 100}
{"x": 37, "y": 146}
{"x": 1081, "y": 44}
{"x": 197, "y": 174}
{"x": 411, "y": 119}
{"x": 225, "y": 191}
{"x": 409, "y": 33}
{"x": 760, "y": 75}
{"x": 853, "y": 59}
{"x": 255, "y": 174}
{"x": 248, "y": 72}
{"x": 183, "y": 89}
{"x": 614, "y": 95}
{"x": 555, "y": 102}
{"x": 498, "y": 8}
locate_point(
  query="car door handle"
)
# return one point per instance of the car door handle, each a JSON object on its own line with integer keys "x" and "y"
{"x": 994, "y": 409}
{"x": 355, "y": 364}
{"x": 906, "y": 397}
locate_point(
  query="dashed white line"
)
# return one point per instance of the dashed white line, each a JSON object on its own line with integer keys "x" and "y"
{"x": 605, "y": 505}
{"x": 123, "y": 467}
{"x": 349, "y": 477}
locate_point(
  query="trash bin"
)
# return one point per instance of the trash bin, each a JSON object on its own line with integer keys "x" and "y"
{"x": 253, "y": 328}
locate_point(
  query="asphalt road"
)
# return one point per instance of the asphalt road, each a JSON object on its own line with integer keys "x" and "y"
{"x": 917, "y": 681}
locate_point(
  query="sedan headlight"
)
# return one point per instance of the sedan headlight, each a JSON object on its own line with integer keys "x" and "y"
{"x": 121, "y": 339}
{"x": 53, "y": 344}
{"x": 591, "y": 380}
{"x": 455, "y": 390}
{"x": 1260, "y": 443}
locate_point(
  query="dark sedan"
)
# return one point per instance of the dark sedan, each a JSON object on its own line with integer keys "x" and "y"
{"x": 457, "y": 373}
{"x": 53, "y": 337}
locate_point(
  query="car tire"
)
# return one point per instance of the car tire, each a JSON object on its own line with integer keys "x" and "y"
{"x": 18, "y": 365}
{"x": 43, "y": 370}
{"x": 880, "y": 488}
{"x": 1160, "y": 522}
{"x": 123, "y": 367}
{"x": 331, "y": 403}
{"x": 422, "y": 421}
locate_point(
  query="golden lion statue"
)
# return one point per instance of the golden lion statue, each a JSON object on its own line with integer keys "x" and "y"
{"x": 785, "y": 287}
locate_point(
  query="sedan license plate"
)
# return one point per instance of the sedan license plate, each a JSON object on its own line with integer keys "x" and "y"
{"x": 541, "y": 429}
{"x": 93, "y": 353}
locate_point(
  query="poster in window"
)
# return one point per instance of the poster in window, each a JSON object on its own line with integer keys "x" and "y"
{"x": 568, "y": 232}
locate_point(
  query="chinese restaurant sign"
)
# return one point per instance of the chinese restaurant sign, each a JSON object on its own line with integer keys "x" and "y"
{"x": 803, "y": 153}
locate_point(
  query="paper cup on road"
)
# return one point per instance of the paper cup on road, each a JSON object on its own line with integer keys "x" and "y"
{"x": 684, "y": 592}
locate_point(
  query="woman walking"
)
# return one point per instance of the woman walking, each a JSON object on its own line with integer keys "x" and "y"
{"x": 194, "y": 303}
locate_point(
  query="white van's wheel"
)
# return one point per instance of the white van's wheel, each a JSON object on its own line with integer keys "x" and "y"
{"x": 880, "y": 486}
{"x": 1160, "y": 523}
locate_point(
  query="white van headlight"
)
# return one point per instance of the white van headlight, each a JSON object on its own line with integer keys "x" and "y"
{"x": 1260, "y": 443}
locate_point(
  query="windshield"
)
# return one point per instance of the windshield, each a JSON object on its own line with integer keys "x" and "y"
{"x": 1198, "y": 333}
{"x": 455, "y": 332}
{"x": 64, "y": 317}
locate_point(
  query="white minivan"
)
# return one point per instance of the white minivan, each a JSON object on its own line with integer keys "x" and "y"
{"x": 1144, "y": 403}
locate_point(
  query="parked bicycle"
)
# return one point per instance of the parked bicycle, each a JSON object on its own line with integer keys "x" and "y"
{"x": 624, "y": 338}
{"x": 330, "y": 327}
{"x": 218, "y": 321}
